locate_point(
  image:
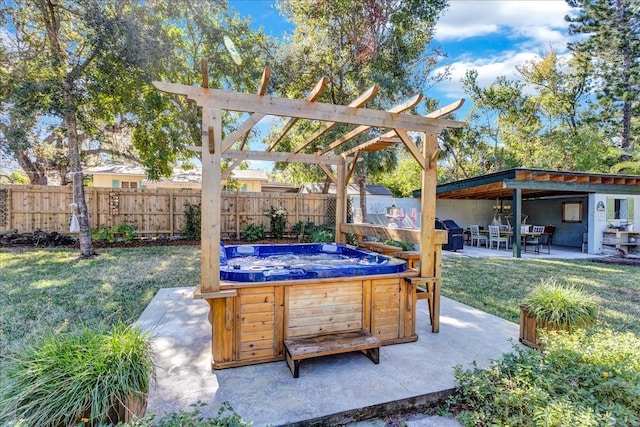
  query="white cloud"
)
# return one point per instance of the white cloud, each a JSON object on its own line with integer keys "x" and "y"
{"x": 488, "y": 70}
{"x": 537, "y": 19}
{"x": 529, "y": 27}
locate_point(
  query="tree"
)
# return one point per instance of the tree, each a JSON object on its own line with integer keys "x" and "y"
{"x": 545, "y": 119}
{"x": 165, "y": 126}
{"x": 68, "y": 60}
{"x": 80, "y": 71}
{"x": 612, "y": 45}
{"x": 357, "y": 44}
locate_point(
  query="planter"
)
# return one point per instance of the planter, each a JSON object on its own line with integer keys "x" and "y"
{"x": 529, "y": 326}
{"x": 134, "y": 407}
{"x": 122, "y": 412}
{"x": 552, "y": 306}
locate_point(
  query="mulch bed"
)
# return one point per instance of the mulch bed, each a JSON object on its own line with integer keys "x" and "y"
{"x": 41, "y": 239}
{"x": 618, "y": 260}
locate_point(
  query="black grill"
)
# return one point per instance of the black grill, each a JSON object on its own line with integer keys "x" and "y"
{"x": 455, "y": 234}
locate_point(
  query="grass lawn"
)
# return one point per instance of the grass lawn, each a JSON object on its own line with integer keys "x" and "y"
{"x": 44, "y": 290}
{"x": 498, "y": 285}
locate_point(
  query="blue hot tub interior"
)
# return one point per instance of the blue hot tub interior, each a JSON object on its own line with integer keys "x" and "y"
{"x": 263, "y": 263}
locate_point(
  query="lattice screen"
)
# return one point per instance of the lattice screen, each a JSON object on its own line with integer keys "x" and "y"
{"x": 4, "y": 206}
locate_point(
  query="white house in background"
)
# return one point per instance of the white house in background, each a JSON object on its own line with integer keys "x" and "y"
{"x": 117, "y": 175}
{"x": 121, "y": 175}
{"x": 379, "y": 197}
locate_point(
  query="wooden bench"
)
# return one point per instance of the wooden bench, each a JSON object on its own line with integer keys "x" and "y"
{"x": 297, "y": 349}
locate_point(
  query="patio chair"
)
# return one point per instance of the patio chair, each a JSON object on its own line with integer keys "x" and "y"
{"x": 533, "y": 240}
{"x": 523, "y": 239}
{"x": 477, "y": 236}
{"x": 542, "y": 240}
{"x": 495, "y": 236}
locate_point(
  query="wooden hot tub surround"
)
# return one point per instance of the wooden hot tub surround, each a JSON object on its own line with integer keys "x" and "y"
{"x": 251, "y": 325}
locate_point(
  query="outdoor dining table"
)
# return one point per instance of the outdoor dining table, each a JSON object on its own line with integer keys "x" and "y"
{"x": 523, "y": 235}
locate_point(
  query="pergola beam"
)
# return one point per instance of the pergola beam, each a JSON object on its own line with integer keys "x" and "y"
{"x": 275, "y": 156}
{"x": 246, "y": 102}
{"x": 447, "y": 109}
{"x": 413, "y": 148}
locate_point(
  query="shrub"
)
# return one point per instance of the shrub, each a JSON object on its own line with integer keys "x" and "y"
{"x": 226, "y": 417}
{"x": 561, "y": 307}
{"x": 106, "y": 234}
{"x": 304, "y": 230}
{"x": 252, "y": 232}
{"x": 278, "y": 217}
{"x": 323, "y": 234}
{"x": 404, "y": 245}
{"x": 65, "y": 380}
{"x": 127, "y": 231}
{"x": 103, "y": 234}
{"x": 585, "y": 378}
{"x": 192, "y": 219}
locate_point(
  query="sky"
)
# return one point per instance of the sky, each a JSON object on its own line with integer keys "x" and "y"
{"x": 491, "y": 36}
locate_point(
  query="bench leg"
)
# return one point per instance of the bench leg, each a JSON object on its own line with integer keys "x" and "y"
{"x": 294, "y": 365}
{"x": 373, "y": 354}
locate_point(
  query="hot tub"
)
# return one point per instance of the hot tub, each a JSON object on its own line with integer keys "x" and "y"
{"x": 277, "y": 292}
{"x": 265, "y": 263}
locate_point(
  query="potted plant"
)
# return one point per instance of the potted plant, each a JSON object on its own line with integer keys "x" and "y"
{"x": 552, "y": 306}
{"x": 90, "y": 378}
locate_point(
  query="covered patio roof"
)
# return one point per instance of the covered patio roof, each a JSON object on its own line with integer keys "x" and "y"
{"x": 537, "y": 183}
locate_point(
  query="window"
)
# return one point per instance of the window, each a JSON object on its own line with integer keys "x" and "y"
{"x": 620, "y": 209}
{"x": 128, "y": 184}
{"x": 571, "y": 211}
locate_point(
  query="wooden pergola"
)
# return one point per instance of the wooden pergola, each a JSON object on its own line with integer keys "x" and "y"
{"x": 334, "y": 159}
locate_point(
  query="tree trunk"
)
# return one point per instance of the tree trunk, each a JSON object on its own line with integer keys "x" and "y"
{"x": 84, "y": 237}
{"x": 627, "y": 64}
{"x": 362, "y": 184}
{"x": 35, "y": 171}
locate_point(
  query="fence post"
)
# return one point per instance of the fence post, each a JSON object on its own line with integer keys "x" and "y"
{"x": 237, "y": 217}
{"x": 171, "y": 213}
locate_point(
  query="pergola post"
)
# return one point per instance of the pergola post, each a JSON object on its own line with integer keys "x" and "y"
{"x": 517, "y": 222}
{"x": 429, "y": 259}
{"x": 341, "y": 202}
{"x": 210, "y": 200}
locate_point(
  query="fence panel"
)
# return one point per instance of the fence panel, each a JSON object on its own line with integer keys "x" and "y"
{"x": 153, "y": 211}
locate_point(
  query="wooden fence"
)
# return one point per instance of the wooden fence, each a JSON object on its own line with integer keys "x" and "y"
{"x": 154, "y": 212}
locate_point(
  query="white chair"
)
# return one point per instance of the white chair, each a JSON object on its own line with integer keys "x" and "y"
{"x": 494, "y": 236}
{"x": 477, "y": 236}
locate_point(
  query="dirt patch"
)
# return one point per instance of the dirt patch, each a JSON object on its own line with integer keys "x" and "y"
{"x": 618, "y": 260}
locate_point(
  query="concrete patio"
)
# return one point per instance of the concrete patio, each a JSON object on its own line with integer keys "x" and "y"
{"x": 557, "y": 252}
{"x": 332, "y": 390}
